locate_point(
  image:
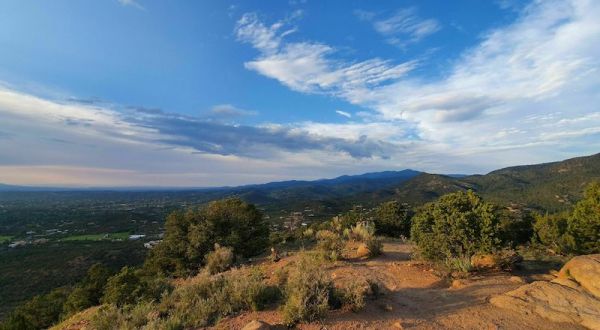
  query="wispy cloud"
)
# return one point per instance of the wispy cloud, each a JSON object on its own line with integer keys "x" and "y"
{"x": 132, "y": 3}
{"x": 311, "y": 66}
{"x": 545, "y": 61}
{"x": 228, "y": 111}
{"x": 402, "y": 28}
{"x": 343, "y": 113}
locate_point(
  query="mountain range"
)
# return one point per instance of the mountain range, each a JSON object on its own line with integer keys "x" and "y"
{"x": 549, "y": 186}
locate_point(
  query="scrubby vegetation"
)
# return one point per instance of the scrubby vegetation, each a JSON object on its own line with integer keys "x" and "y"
{"x": 219, "y": 260}
{"x": 191, "y": 235}
{"x": 308, "y": 290}
{"x": 576, "y": 232}
{"x": 393, "y": 219}
{"x": 458, "y": 225}
{"x": 460, "y": 231}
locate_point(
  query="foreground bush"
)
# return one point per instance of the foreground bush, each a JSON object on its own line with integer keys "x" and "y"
{"x": 209, "y": 298}
{"x": 308, "y": 290}
{"x": 458, "y": 225}
{"x": 329, "y": 244}
{"x": 219, "y": 260}
{"x": 131, "y": 286}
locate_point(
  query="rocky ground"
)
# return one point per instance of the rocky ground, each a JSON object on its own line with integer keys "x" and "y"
{"x": 416, "y": 296}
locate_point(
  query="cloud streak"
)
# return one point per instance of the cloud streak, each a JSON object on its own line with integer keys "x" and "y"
{"x": 402, "y": 28}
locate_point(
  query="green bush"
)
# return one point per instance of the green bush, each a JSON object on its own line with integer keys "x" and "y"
{"x": 40, "y": 312}
{"x": 393, "y": 219}
{"x": 307, "y": 292}
{"x": 583, "y": 226}
{"x": 550, "y": 231}
{"x": 329, "y": 244}
{"x": 131, "y": 286}
{"x": 88, "y": 292}
{"x": 457, "y": 225}
{"x": 190, "y": 235}
{"x": 219, "y": 260}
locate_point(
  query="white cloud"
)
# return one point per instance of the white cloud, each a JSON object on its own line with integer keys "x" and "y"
{"x": 405, "y": 27}
{"x": 310, "y": 66}
{"x": 484, "y": 108}
{"x": 343, "y": 113}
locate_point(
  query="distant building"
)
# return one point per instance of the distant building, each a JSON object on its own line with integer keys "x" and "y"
{"x": 17, "y": 244}
{"x": 151, "y": 244}
{"x": 136, "y": 237}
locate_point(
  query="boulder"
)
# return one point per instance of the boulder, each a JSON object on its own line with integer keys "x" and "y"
{"x": 506, "y": 260}
{"x": 257, "y": 325}
{"x": 553, "y": 301}
{"x": 362, "y": 251}
{"x": 585, "y": 271}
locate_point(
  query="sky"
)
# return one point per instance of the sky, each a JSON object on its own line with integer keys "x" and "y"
{"x": 211, "y": 93}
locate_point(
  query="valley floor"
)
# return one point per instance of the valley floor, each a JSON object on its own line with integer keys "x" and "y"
{"x": 415, "y": 297}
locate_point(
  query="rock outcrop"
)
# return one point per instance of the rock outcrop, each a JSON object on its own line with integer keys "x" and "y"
{"x": 585, "y": 271}
{"x": 571, "y": 298}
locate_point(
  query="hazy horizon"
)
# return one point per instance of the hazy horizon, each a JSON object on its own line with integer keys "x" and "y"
{"x": 143, "y": 93}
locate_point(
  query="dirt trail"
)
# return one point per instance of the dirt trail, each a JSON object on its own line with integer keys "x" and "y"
{"x": 415, "y": 298}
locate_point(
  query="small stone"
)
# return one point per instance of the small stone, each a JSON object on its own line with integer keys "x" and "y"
{"x": 398, "y": 325}
{"x": 457, "y": 284}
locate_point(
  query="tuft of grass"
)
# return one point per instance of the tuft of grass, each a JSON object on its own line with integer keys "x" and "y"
{"x": 308, "y": 291}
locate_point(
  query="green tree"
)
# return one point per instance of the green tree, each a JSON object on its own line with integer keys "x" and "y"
{"x": 392, "y": 219}
{"x": 191, "y": 235}
{"x": 125, "y": 288}
{"x": 516, "y": 226}
{"x": 38, "y": 313}
{"x": 550, "y": 230}
{"x": 583, "y": 226}
{"x": 457, "y": 225}
{"x": 89, "y": 291}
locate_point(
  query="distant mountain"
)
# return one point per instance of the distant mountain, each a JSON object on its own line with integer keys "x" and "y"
{"x": 549, "y": 186}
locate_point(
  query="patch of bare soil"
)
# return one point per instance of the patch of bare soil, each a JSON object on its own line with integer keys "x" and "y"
{"x": 415, "y": 296}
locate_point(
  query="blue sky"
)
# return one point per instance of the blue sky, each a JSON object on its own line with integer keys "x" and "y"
{"x": 205, "y": 93}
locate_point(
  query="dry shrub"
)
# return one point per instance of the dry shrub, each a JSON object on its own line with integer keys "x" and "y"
{"x": 329, "y": 244}
{"x": 308, "y": 290}
{"x": 219, "y": 260}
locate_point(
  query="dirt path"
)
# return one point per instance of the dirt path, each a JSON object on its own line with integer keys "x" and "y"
{"x": 415, "y": 298}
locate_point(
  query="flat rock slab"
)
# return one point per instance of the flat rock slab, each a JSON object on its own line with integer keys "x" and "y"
{"x": 553, "y": 301}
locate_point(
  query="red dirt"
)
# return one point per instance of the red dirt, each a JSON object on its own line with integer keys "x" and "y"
{"x": 415, "y": 297}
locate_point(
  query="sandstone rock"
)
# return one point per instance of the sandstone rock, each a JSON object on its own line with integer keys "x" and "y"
{"x": 458, "y": 284}
{"x": 484, "y": 261}
{"x": 585, "y": 270}
{"x": 505, "y": 260}
{"x": 398, "y": 325}
{"x": 362, "y": 251}
{"x": 257, "y": 325}
{"x": 516, "y": 279}
{"x": 553, "y": 301}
